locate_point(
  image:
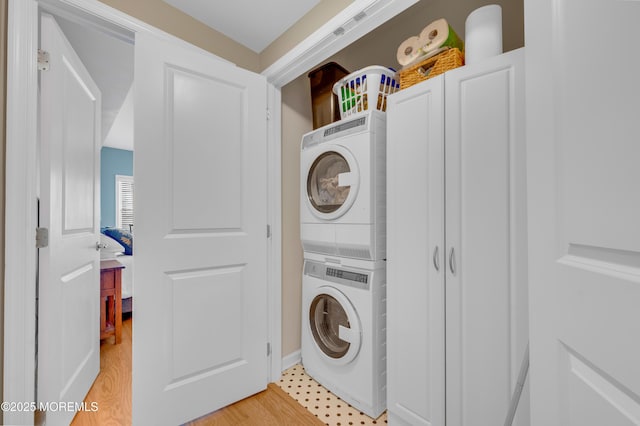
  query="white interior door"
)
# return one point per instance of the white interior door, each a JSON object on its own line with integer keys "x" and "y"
{"x": 584, "y": 210}
{"x": 200, "y": 317}
{"x": 69, "y": 286}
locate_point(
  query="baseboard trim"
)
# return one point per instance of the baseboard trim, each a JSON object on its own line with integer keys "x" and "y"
{"x": 291, "y": 360}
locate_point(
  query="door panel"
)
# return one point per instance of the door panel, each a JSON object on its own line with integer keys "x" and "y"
{"x": 220, "y": 344}
{"x": 584, "y": 204}
{"x": 200, "y": 326}
{"x": 69, "y": 275}
{"x": 196, "y": 103}
{"x": 78, "y": 174}
{"x": 590, "y": 169}
{"x": 415, "y": 246}
{"x": 584, "y": 384}
{"x": 486, "y": 294}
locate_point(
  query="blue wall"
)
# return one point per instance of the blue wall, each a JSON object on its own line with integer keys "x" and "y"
{"x": 112, "y": 162}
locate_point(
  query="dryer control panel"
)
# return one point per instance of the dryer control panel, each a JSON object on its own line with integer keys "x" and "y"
{"x": 345, "y": 276}
{"x": 340, "y": 129}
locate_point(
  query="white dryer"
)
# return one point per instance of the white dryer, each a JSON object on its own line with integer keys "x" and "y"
{"x": 342, "y": 191}
{"x": 343, "y": 331}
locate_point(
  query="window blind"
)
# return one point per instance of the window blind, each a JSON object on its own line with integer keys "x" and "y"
{"x": 124, "y": 202}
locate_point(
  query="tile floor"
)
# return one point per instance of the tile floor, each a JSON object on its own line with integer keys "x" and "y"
{"x": 323, "y": 404}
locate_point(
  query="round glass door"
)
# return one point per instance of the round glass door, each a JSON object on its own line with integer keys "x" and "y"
{"x": 327, "y": 315}
{"x": 323, "y": 189}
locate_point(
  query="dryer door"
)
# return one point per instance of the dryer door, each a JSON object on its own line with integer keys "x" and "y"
{"x": 335, "y": 326}
{"x": 332, "y": 183}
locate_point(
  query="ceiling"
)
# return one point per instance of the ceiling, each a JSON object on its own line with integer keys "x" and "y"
{"x": 252, "y": 23}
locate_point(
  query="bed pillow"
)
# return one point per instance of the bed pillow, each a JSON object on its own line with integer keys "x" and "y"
{"x": 110, "y": 247}
{"x": 122, "y": 236}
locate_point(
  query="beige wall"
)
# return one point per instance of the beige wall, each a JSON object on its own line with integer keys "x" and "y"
{"x": 168, "y": 18}
{"x": 376, "y": 48}
{"x": 379, "y": 47}
{"x": 296, "y": 120}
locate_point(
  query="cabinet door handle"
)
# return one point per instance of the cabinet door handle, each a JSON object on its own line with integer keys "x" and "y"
{"x": 436, "y": 258}
{"x": 452, "y": 261}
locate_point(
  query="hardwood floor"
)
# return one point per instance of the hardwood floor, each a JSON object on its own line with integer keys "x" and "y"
{"x": 270, "y": 407}
{"x": 112, "y": 392}
{"x": 112, "y": 388}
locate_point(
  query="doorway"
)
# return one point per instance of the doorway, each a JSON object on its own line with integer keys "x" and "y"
{"x": 201, "y": 311}
{"x": 85, "y": 104}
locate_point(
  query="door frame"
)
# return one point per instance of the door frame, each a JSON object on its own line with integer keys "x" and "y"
{"x": 22, "y": 170}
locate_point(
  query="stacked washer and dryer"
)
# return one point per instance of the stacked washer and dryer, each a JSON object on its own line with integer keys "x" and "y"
{"x": 343, "y": 222}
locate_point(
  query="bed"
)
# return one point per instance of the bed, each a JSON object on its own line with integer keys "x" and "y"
{"x": 118, "y": 244}
{"x": 127, "y": 282}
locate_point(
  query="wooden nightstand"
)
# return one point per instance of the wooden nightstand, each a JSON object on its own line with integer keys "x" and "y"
{"x": 111, "y": 299}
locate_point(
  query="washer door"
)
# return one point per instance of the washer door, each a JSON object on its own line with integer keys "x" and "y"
{"x": 335, "y": 326}
{"x": 332, "y": 183}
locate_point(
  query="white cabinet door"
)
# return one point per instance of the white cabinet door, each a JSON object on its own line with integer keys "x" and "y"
{"x": 200, "y": 318}
{"x": 486, "y": 278}
{"x": 471, "y": 292}
{"x": 69, "y": 275}
{"x": 415, "y": 255}
{"x": 584, "y": 209}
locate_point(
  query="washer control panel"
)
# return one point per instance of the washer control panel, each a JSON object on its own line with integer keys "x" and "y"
{"x": 345, "y": 276}
{"x": 348, "y": 275}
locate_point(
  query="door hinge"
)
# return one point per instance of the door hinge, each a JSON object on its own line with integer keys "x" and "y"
{"x": 42, "y": 237}
{"x": 268, "y": 349}
{"x": 268, "y": 114}
{"x": 268, "y": 231}
{"x": 43, "y": 60}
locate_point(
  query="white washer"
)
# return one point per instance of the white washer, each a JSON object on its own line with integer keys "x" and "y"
{"x": 343, "y": 331}
{"x": 342, "y": 191}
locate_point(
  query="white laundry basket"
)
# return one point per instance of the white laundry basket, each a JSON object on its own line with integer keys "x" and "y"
{"x": 366, "y": 89}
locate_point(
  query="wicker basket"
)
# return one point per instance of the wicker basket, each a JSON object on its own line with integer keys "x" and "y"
{"x": 431, "y": 67}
